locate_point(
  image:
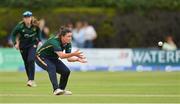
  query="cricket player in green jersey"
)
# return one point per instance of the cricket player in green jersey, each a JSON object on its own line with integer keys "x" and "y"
{"x": 26, "y": 37}
{"x": 48, "y": 58}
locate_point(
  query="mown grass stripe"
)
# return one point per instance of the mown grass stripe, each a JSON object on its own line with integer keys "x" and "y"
{"x": 97, "y": 95}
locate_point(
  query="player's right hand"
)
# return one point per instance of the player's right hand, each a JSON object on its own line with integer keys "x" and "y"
{"x": 78, "y": 53}
{"x": 16, "y": 46}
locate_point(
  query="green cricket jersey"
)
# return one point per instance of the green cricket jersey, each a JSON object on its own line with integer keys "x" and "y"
{"x": 27, "y": 36}
{"x": 53, "y": 45}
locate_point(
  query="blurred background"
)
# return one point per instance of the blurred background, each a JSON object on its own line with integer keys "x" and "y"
{"x": 102, "y": 27}
{"x": 132, "y": 48}
{"x": 120, "y": 23}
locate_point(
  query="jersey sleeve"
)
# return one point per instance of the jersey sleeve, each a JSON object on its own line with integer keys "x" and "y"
{"x": 56, "y": 47}
{"x": 68, "y": 48}
{"x": 14, "y": 34}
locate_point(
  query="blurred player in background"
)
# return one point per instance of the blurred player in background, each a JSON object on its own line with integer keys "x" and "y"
{"x": 44, "y": 30}
{"x": 89, "y": 34}
{"x": 48, "y": 58}
{"x": 78, "y": 35}
{"x": 169, "y": 44}
{"x": 26, "y": 37}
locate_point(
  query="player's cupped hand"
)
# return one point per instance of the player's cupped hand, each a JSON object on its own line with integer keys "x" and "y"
{"x": 16, "y": 46}
{"x": 78, "y": 53}
{"x": 81, "y": 56}
{"x": 82, "y": 60}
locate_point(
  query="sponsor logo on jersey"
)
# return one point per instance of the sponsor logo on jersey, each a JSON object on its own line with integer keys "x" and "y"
{"x": 29, "y": 35}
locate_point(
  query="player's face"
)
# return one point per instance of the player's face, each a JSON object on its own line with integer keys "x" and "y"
{"x": 67, "y": 38}
{"x": 27, "y": 20}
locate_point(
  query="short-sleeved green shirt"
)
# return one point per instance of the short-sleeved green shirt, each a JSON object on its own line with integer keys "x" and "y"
{"x": 28, "y": 36}
{"x": 51, "y": 46}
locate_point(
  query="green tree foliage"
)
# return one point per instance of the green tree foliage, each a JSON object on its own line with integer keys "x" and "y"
{"x": 119, "y": 23}
{"x": 123, "y": 4}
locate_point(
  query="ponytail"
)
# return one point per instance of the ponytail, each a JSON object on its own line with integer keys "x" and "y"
{"x": 35, "y": 22}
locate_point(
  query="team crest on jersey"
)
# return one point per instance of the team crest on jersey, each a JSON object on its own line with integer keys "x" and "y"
{"x": 26, "y": 35}
{"x": 34, "y": 29}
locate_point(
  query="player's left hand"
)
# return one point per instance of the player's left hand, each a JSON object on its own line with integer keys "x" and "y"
{"x": 82, "y": 60}
{"x": 81, "y": 56}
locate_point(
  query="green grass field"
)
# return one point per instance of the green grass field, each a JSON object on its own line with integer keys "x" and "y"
{"x": 95, "y": 87}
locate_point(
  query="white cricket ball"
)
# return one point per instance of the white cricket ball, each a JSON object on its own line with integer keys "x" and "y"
{"x": 160, "y": 43}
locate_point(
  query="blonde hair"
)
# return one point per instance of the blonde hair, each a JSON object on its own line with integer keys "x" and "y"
{"x": 35, "y": 21}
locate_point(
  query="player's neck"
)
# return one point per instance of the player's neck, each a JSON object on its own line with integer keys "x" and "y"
{"x": 28, "y": 25}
